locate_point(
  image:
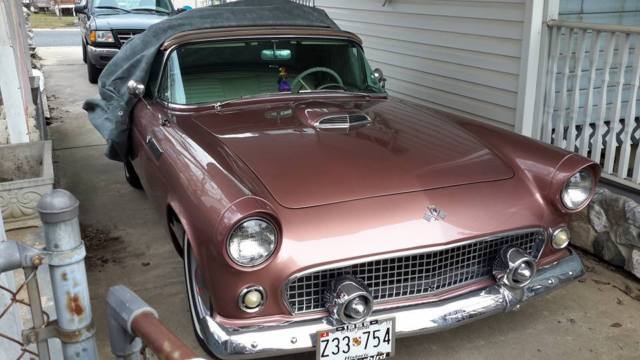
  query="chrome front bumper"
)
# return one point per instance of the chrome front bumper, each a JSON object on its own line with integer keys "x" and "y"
{"x": 100, "y": 57}
{"x": 300, "y": 336}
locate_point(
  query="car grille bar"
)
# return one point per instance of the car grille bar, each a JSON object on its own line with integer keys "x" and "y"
{"x": 422, "y": 273}
{"x": 126, "y": 35}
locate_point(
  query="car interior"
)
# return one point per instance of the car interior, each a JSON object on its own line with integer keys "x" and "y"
{"x": 220, "y": 71}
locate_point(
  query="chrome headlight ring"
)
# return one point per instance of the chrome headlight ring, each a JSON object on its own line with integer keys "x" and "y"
{"x": 577, "y": 190}
{"x": 252, "y": 241}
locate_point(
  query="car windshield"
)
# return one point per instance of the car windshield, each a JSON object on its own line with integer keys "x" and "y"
{"x": 133, "y": 5}
{"x": 221, "y": 71}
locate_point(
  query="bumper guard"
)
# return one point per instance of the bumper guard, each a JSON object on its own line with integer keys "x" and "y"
{"x": 274, "y": 340}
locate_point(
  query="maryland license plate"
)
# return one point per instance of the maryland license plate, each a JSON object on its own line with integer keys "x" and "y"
{"x": 370, "y": 340}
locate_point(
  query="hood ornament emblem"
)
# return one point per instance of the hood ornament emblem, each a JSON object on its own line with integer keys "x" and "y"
{"x": 434, "y": 213}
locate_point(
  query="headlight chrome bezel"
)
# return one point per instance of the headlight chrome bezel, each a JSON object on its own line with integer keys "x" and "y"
{"x": 265, "y": 259}
{"x": 564, "y": 192}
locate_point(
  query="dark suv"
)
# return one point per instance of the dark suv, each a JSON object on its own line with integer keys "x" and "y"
{"x": 106, "y": 25}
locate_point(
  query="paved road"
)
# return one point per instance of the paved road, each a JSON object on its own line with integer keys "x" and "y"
{"x": 593, "y": 318}
{"x": 58, "y": 37}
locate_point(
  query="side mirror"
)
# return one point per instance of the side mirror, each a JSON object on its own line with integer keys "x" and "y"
{"x": 378, "y": 75}
{"x": 135, "y": 88}
{"x": 80, "y": 8}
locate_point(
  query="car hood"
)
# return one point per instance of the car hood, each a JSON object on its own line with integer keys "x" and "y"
{"x": 128, "y": 21}
{"x": 402, "y": 149}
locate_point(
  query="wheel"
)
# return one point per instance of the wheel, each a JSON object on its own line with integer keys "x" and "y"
{"x": 131, "y": 176}
{"x": 93, "y": 72}
{"x": 84, "y": 53}
{"x": 200, "y": 306}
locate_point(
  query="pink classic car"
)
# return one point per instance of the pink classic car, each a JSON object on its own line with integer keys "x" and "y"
{"x": 316, "y": 213}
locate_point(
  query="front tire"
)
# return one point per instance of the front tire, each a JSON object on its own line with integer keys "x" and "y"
{"x": 199, "y": 304}
{"x": 93, "y": 72}
{"x": 84, "y": 53}
{"x": 131, "y": 176}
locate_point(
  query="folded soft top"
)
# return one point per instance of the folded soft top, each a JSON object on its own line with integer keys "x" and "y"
{"x": 109, "y": 114}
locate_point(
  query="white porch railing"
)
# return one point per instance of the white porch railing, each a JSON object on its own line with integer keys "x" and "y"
{"x": 591, "y": 95}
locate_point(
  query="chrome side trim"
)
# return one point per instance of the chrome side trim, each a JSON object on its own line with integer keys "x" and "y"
{"x": 286, "y": 338}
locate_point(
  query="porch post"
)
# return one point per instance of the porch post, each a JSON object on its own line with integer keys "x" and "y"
{"x": 529, "y": 61}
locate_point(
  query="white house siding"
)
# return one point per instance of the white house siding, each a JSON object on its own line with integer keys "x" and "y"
{"x": 619, "y": 12}
{"x": 461, "y": 56}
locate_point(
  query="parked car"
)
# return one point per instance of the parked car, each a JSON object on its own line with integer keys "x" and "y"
{"x": 106, "y": 25}
{"x": 316, "y": 213}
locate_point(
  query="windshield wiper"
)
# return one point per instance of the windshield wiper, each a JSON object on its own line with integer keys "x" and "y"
{"x": 162, "y": 11}
{"x": 112, "y": 8}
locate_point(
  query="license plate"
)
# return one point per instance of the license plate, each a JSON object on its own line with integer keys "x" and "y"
{"x": 369, "y": 340}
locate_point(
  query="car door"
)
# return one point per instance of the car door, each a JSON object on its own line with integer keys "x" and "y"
{"x": 152, "y": 130}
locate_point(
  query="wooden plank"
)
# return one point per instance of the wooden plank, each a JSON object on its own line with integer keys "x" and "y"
{"x": 625, "y": 150}
{"x": 601, "y": 127}
{"x": 612, "y": 143}
{"x": 454, "y": 86}
{"x": 547, "y": 124}
{"x": 482, "y": 60}
{"x": 464, "y": 73}
{"x": 583, "y": 146}
{"x": 475, "y": 10}
{"x": 498, "y": 113}
{"x": 580, "y": 49}
{"x": 483, "y": 27}
{"x": 470, "y": 42}
{"x": 559, "y": 138}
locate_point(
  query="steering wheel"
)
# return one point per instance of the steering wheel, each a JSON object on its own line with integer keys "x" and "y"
{"x": 299, "y": 79}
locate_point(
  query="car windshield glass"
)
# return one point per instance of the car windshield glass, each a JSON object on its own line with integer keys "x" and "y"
{"x": 129, "y": 5}
{"x": 221, "y": 71}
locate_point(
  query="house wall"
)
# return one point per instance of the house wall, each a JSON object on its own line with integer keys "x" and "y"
{"x": 620, "y": 12}
{"x": 460, "y": 56}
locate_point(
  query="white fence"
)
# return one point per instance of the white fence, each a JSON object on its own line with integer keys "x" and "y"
{"x": 591, "y": 95}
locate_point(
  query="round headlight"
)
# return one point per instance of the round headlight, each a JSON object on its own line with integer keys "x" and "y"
{"x": 252, "y": 242}
{"x": 577, "y": 190}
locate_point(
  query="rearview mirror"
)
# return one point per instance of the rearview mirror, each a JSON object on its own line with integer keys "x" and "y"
{"x": 379, "y": 76}
{"x": 273, "y": 54}
{"x": 135, "y": 88}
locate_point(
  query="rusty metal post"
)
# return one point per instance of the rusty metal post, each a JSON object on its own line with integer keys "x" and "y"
{"x": 59, "y": 213}
{"x": 132, "y": 320}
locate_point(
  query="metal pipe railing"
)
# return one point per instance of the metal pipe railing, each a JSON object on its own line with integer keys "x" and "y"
{"x": 132, "y": 321}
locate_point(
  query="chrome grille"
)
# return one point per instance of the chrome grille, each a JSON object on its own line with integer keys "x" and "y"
{"x": 126, "y": 35}
{"x": 416, "y": 274}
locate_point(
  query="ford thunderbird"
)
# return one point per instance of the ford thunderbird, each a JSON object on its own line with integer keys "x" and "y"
{"x": 314, "y": 212}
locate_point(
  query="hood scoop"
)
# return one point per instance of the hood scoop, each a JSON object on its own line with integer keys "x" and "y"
{"x": 343, "y": 121}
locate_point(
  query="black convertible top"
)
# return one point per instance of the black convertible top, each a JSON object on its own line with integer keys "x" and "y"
{"x": 109, "y": 114}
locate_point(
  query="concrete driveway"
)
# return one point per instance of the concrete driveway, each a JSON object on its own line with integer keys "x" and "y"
{"x": 595, "y": 318}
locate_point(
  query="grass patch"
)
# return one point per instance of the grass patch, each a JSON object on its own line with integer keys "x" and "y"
{"x": 51, "y": 21}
